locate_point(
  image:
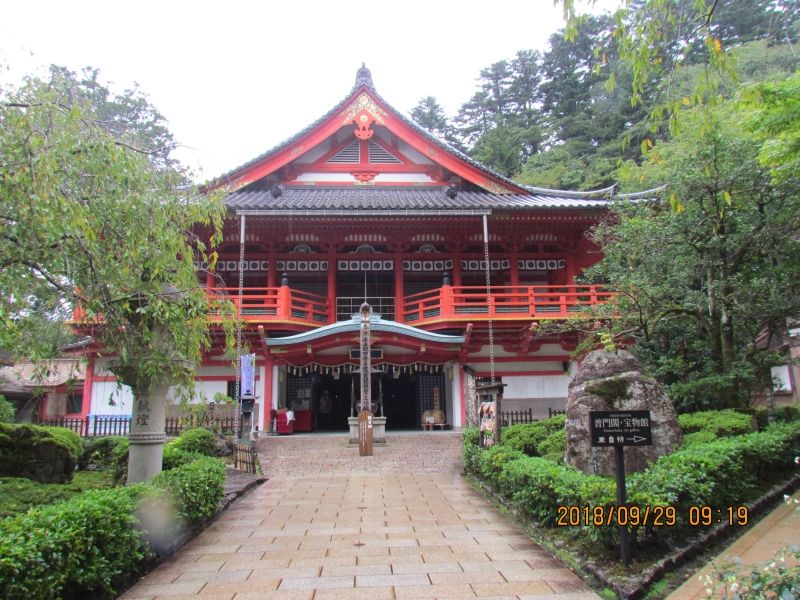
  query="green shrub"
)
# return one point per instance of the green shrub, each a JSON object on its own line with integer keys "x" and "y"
{"x": 18, "y": 494}
{"x": 78, "y": 548}
{"x": 554, "y": 446}
{"x": 528, "y": 437}
{"x": 723, "y": 472}
{"x": 470, "y": 450}
{"x": 7, "y": 411}
{"x": 119, "y": 462}
{"x": 698, "y": 437}
{"x": 196, "y": 488}
{"x": 98, "y": 452}
{"x": 72, "y": 548}
{"x": 787, "y": 413}
{"x": 46, "y": 454}
{"x": 196, "y": 440}
{"x": 175, "y": 457}
{"x": 722, "y": 423}
{"x": 493, "y": 460}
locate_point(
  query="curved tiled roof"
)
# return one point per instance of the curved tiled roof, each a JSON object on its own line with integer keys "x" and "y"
{"x": 376, "y": 323}
{"x": 353, "y": 198}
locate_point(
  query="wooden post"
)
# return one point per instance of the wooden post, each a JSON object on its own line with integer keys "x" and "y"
{"x": 365, "y": 409}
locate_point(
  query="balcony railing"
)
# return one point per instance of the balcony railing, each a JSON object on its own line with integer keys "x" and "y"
{"x": 276, "y": 304}
{"x": 461, "y": 303}
{"x": 448, "y": 303}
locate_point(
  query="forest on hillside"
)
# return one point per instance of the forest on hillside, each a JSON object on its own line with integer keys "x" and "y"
{"x": 566, "y": 118}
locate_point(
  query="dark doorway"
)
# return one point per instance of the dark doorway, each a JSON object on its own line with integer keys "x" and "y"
{"x": 331, "y": 402}
{"x": 399, "y": 401}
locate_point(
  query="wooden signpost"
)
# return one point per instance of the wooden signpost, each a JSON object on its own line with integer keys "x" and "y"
{"x": 365, "y": 412}
{"x": 365, "y": 433}
{"x": 617, "y": 429}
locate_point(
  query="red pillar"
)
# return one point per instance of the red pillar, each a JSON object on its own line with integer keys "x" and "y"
{"x": 514, "y": 266}
{"x": 399, "y": 291}
{"x": 457, "y": 269}
{"x": 332, "y": 286}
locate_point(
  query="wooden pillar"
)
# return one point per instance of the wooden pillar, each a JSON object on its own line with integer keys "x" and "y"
{"x": 332, "y": 285}
{"x": 399, "y": 288}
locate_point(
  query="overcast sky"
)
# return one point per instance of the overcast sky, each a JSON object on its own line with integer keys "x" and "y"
{"x": 235, "y": 78}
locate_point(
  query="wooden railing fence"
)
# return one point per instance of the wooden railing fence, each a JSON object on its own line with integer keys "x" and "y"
{"x": 91, "y": 426}
{"x": 245, "y": 458}
{"x": 512, "y": 417}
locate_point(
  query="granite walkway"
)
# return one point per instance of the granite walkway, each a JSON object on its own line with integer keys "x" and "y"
{"x": 757, "y": 547}
{"x": 330, "y": 524}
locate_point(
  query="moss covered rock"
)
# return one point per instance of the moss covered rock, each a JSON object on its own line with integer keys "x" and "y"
{"x": 44, "y": 454}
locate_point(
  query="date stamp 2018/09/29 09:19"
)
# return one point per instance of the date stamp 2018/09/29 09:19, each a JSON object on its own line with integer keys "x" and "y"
{"x": 654, "y": 516}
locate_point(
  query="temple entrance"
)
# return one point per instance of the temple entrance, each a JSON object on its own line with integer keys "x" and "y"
{"x": 400, "y": 401}
{"x": 331, "y": 402}
{"x": 333, "y": 399}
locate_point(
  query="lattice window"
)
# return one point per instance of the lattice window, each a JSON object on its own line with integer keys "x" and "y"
{"x": 426, "y": 386}
{"x": 320, "y": 288}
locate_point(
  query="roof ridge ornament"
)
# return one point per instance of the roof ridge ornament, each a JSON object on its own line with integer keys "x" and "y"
{"x": 364, "y": 77}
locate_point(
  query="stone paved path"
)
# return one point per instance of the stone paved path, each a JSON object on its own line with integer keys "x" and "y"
{"x": 779, "y": 529}
{"x": 329, "y": 524}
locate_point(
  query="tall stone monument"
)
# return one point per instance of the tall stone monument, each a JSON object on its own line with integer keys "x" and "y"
{"x": 615, "y": 381}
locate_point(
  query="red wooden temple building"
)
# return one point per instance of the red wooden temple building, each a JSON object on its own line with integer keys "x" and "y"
{"x": 364, "y": 203}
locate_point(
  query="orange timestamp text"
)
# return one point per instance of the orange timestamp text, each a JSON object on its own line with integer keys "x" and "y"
{"x": 653, "y": 516}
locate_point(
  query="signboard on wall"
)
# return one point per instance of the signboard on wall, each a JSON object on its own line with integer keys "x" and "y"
{"x": 248, "y": 376}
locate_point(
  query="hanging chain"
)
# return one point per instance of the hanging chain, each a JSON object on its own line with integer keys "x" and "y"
{"x": 488, "y": 296}
{"x": 239, "y": 328}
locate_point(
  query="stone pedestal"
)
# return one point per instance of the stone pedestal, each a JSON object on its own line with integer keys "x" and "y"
{"x": 378, "y": 430}
{"x": 147, "y": 432}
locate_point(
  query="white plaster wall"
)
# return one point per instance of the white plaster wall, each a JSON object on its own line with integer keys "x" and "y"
{"x": 121, "y": 399}
{"x": 205, "y": 390}
{"x": 458, "y": 400}
{"x": 536, "y": 387}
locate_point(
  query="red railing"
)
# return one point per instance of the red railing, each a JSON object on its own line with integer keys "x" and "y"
{"x": 447, "y": 303}
{"x": 275, "y": 304}
{"x": 461, "y": 303}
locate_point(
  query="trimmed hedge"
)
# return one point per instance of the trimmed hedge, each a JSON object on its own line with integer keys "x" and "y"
{"x": 199, "y": 440}
{"x": 196, "y": 488}
{"x": 719, "y": 473}
{"x": 187, "y": 447}
{"x": 721, "y": 423}
{"x": 45, "y": 454}
{"x": 80, "y": 546}
{"x": 533, "y": 439}
{"x": 98, "y": 452}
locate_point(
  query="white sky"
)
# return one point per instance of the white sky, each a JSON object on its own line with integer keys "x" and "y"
{"x": 235, "y": 78}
